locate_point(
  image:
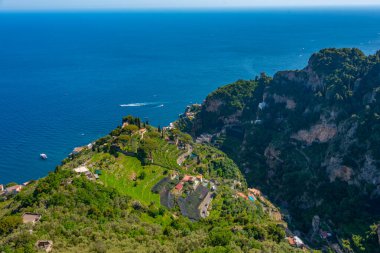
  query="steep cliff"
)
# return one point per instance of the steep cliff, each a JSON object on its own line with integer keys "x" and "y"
{"x": 310, "y": 140}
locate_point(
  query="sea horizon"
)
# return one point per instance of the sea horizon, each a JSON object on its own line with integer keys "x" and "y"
{"x": 284, "y": 8}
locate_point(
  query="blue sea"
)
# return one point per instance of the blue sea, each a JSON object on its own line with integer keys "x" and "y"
{"x": 67, "y": 79}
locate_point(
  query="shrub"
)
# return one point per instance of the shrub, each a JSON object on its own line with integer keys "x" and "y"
{"x": 220, "y": 237}
{"x": 9, "y": 223}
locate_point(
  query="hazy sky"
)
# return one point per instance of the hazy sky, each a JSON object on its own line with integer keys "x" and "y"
{"x": 136, "y": 4}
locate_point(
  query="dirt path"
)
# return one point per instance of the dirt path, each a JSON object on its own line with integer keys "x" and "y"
{"x": 183, "y": 157}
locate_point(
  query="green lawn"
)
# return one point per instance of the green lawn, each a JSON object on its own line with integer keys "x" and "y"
{"x": 121, "y": 173}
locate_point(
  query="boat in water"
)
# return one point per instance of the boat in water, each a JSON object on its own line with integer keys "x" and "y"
{"x": 43, "y": 156}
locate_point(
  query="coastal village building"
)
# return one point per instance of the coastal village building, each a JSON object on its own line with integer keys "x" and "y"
{"x": 188, "y": 178}
{"x": 295, "y": 241}
{"x": 31, "y": 217}
{"x": 179, "y": 187}
{"x": 125, "y": 124}
{"x": 45, "y": 245}
{"x": 77, "y": 150}
{"x": 13, "y": 189}
{"x": 1, "y": 188}
{"x": 191, "y": 193}
{"x": 298, "y": 241}
{"x": 90, "y": 176}
{"x": 142, "y": 131}
{"x": 196, "y": 203}
{"x": 255, "y": 192}
{"x": 170, "y": 127}
{"x": 195, "y": 181}
{"x": 84, "y": 170}
{"x": 81, "y": 169}
{"x": 242, "y": 195}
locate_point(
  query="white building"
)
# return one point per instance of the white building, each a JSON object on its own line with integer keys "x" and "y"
{"x": 81, "y": 169}
{"x": 298, "y": 241}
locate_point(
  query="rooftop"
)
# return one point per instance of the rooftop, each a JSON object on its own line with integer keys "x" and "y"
{"x": 254, "y": 191}
{"x": 240, "y": 194}
{"x": 77, "y": 150}
{"x": 187, "y": 178}
{"x": 298, "y": 241}
{"x": 31, "y": 217}
{"x": 44, "y": 245}
{"x": 179, "y": 186}
{"x": 81, "y": 169}
{"x": 16, "y": 188}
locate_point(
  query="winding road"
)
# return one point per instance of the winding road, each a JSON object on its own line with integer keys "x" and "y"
{"x": 183, "y": 157}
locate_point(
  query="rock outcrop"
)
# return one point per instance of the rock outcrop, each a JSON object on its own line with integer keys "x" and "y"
{"x": 310, "y": 138}
{"x": 319, "y": 132}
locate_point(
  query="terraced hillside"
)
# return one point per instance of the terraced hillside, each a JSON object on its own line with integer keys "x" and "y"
{"x": 100, "y": 200}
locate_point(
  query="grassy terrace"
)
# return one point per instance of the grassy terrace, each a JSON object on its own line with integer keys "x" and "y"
{"x": 125, "y": 176}
{"x": 166, "y": 155}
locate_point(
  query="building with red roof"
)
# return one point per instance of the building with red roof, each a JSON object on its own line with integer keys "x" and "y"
{"x": 187, "y": 178}
{"x": 242, "y": 195}
{"x": 13, "y": 189}
{"x": 179, "y": 187}
{"x": 255, "y": 192}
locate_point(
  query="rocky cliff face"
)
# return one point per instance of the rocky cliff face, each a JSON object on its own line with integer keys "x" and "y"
{"x": 310, "y": 139}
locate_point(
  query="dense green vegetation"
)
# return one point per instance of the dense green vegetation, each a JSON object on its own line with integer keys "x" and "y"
{"x": 119, "y": 212}
{"x": 308, "y": 139}
{"x": 313, "y": 146}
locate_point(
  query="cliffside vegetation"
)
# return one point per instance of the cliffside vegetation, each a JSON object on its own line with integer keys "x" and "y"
{"x": 309, "y": 139}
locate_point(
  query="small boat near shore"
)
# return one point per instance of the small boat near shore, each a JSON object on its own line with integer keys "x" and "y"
{"x": 43, "y": 156}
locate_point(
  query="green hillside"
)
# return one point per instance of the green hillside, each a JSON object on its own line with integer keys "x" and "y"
{"x": 100, "y": 200}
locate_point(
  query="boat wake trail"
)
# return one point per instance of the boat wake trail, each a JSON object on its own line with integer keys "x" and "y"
{"x": 136, "y": 104}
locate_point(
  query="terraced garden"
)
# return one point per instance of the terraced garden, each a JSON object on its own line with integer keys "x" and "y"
{"x": 166, "y": 155}
{"x": 129, "y": 177}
